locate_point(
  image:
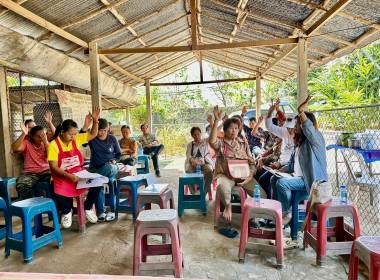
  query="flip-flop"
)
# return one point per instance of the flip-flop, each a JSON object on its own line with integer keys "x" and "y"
{"x": 229, "y": 232}
{"x": 254, "y": 225}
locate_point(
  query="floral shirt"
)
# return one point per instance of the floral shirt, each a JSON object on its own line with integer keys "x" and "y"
{"x": 146, "y": 140}
{"x": 253, "y": 140}
{"x": 127, "y": 143}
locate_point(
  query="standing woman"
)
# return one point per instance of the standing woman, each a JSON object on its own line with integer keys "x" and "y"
{"x": 65, "y": 159}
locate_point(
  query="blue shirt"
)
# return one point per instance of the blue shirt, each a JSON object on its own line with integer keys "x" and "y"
{"x": 312, "y": 156}
{"x": 102, "y": 151}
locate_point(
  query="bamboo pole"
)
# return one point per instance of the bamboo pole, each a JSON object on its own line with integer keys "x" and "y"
{"x": 95, "y": 76}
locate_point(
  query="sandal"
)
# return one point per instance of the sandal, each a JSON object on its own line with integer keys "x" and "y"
{"x": 288, "y": 244}
{"x": 229, "y": 232}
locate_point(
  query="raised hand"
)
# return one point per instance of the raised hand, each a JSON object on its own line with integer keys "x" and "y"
{"x": 24, "y": 128}
{"x": 209, "y": 119}
{"x": 48, "y": 116}
{"x": 87, "y": 121}
{"x": 225, "y": 117}
{"x": 244, "y": 111}
{"x": 217, "y": 113}
{"x": 303, "y": 105}
{"x": 261, "y": 118}
{"x": 95, "y": 113}
{"x": 277, "y": 104}
{"x": 43, "y": 136}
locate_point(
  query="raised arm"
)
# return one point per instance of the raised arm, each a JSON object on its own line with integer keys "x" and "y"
{"x": 214, "y": 129}
{"x": 49, "y": 120}
{"x": 256, "y": 128}
{"x": 95, "y": 123}
{"x": 87, "y": 123}
{"x": 301, "y": 109}
{"x": 44, "y": 139}
{"x": 16, "y": 146}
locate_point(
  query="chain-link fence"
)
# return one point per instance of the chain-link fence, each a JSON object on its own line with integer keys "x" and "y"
{"x": 352, "y": 137}
{"x": 30, "y": 98}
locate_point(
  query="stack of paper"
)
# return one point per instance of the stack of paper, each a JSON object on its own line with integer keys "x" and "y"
{"x": 278, "y": 174}
{"x": 88, "y": 180}
{"x": 154, "y": 189}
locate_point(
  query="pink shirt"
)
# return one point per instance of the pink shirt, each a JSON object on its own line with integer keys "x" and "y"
{"x": 35, "y": 159}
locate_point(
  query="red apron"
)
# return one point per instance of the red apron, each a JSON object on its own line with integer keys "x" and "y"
{"x": 70, "y": 162}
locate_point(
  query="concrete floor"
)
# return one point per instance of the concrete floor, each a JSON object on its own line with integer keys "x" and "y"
{"x": 107, "y": 248}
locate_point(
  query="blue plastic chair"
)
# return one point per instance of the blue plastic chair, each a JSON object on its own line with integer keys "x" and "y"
{"x": 5, "y": 184}
{"x": 131, "y": 183}
{"x": 41, "y": 186}
{"x": 27, "y": 210}
{"x": 143, "y": 159}
{"x": 110, "y": 198}
{"x": 296, "y": 222}
{"x": 191, "y": 201}
{"x": 3, "y": 228}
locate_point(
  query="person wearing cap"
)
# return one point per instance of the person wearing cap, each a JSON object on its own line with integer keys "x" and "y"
{"x": 105, "y": 153}
{"x": 286, "y": 133}
{"x": 151, "y": 146}
{"x": 307, "y": 163}
{"x": 254, "y": 133}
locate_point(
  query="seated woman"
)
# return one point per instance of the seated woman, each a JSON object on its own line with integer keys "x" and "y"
{"x": 65, "y": 159}
{"x": 128, "y": 147}
{"x": 236, "y": 149}
{"x": 36, "y": 166}
{"x": 307, "y": 163}
{"x": 198, "y": 152}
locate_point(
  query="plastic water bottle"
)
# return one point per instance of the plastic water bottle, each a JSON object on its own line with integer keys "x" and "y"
{"x": 343, "y": 194}
{"x": 256, "y": 195}
{"x": 199, "y": 171}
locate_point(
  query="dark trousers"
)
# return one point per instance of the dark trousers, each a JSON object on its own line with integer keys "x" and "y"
{"x": 156, "y": 150}
{"x": 62, "y": 202}
{"x": 264, "y": 182}
{"x": 129, "y": 161}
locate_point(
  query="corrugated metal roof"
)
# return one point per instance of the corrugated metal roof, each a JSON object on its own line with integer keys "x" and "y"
{"x": 167, "y": 23}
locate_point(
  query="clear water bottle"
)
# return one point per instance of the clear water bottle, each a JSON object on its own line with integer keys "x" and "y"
{"x": 199, "y": 170}
{"x": 343, "y": 194}
{"x": 256, "y": 195}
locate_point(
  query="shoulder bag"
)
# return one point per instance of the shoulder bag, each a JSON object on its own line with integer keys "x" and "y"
{"x": 237, "y": 169}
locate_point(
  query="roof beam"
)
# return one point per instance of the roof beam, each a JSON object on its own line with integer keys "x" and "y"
{"x": 53, "y": 28}
{"x": 82, "y": 19}
{"x": 135, "y": 22}
{"x": 247, "y": 44}
{"x": 205, "y": 82}
{"x": 3, "y": 10}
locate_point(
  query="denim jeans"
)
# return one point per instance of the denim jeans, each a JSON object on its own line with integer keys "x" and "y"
{"x": 108, "y": 170}
{"x": 282, "y": 188}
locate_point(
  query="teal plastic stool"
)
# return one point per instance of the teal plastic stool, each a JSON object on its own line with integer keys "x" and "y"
{"x": 5, "y": 184}
{"x": 296, "y": 222}
{"x": 143, "y": 159}
{"x": 191, "y": 201}
{"x": 27, "y": 210}
{"x": 3, "y": 228}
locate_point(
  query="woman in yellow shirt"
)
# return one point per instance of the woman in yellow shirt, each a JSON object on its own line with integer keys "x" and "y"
{"x": 65, "y": 159}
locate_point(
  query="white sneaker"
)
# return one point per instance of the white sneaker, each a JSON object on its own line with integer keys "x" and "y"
{"x": 102, "y": 217}
{"x": 91, "y": 216}
{"x": 110, "y": 216}
{"x": 67, "y": 220}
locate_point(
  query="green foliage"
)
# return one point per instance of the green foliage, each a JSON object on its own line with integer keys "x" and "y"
{"x": 174, "y": 137}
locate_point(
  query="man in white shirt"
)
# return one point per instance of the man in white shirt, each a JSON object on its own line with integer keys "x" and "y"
{"x": 198, "y": 151}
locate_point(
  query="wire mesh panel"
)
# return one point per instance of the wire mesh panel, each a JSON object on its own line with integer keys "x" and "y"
{"x": 30, "y": 98}
{"x": 352, "y": 136}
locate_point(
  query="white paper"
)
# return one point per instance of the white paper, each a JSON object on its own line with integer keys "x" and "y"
{"x": 276, "y": 173}
{"x": 88, "y": 180}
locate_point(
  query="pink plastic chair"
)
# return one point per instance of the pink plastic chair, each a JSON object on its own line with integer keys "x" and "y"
{"x": 219, "y": 207}
{"x": 160, "y": 221}
{"x": 344, "y": 233}
{"x": 366, "y": 249}
{"x": 267, "y": 209}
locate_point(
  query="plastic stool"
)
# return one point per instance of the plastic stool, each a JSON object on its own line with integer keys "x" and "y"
{"x": 27, "y": 210}
{"x": 191, "y": 201}
{"x": 237, "y": 205}
{"x": 143, "y": 159}
{"x": 344, "y": 233}
{"x": 5, "y": 184}
{"x": 209, "y": 193}
{"x": 41, "y": 186}
{"x": 3, "y": 228}
{"x": 161, "y": 199}
{"x": 366, "y": 249}
{"x": 161, "y": 221}
{"x": 297, "y": 196}
{"x": 267, "y": 209}
{"x": 131, "y": 183}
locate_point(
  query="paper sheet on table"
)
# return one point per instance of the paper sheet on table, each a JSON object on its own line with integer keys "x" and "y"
{"x": 276, "y": 173}
{"x": 88, "y": 180}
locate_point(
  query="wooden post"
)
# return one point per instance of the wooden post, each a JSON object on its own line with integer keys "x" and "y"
{"x": 6, "y": 169}
{"x": 96, "y": 97}
{"x": 301, "y": 69}
{"x": 200, "y": 68}
{"x": 148, "y": 104}
{"x": 128, "y": 115}
{"x": 258, "y": 97}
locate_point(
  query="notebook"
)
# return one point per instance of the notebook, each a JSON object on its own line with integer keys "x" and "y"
{"x": 154, "y": 189}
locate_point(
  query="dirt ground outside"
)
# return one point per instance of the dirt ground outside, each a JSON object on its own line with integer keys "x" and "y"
{"x": 107, "y": 248}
